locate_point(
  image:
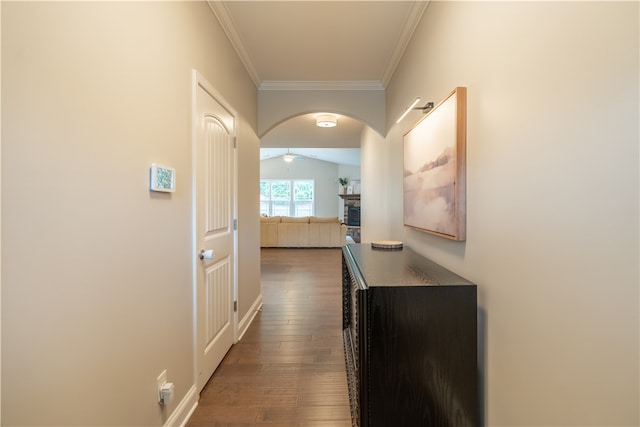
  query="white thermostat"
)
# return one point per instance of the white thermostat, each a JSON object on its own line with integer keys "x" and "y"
{"x": 162, "y": 179}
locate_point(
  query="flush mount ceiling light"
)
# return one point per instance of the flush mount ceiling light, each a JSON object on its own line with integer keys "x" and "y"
{"x": 428, "y": 106}
{"x": 326, "y": 121}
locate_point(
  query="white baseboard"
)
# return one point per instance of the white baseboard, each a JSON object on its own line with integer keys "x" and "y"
{"x": 183, "y": 411}
{"x": 243, "y": 325}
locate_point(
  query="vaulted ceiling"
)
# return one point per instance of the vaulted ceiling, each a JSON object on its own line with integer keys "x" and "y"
{"x": 318, "y": 42}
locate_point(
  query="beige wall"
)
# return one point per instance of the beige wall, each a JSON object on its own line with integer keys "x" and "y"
{"x": 249, "y": 292}
{"x": 96, "y": 270}
{"x": 552, "y": 198}
{"x": 365, "y": 104}
{"x": 379, "y": 184}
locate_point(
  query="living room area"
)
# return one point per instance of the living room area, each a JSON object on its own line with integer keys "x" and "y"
{"x": 309, "y": 197}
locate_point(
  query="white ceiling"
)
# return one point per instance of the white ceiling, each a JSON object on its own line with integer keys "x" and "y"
{"x": 318, "y": 41}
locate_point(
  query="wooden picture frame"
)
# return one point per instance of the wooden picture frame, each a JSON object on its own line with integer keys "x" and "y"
{"x": 434, "y": 177}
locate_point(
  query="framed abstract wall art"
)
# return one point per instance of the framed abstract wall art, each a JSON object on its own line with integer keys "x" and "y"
{"x": 434, "y": 169}
{"x": 162, "y": 178}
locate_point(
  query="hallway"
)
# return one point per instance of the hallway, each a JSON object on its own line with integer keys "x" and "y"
{"x": 288, "y": 369}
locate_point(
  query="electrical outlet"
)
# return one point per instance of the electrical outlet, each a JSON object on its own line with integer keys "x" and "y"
{"x": 162, "y": 379}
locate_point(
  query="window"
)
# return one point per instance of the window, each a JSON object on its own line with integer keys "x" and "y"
{"x": 286, "y": 197}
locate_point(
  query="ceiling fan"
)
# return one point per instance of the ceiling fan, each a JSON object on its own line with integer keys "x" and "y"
{"x": 290, "y": 157}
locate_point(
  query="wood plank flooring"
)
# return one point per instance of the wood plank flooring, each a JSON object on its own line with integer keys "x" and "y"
{"x": 288, "y": 369}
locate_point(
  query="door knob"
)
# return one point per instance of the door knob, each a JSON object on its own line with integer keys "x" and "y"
{"x": 208, "y": 254}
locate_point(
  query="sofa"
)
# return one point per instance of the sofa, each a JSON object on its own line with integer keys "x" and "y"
{"x": 302, "y": 232}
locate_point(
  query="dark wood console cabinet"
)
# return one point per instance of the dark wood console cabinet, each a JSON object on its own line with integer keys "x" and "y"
{"x": 410, "y": 338}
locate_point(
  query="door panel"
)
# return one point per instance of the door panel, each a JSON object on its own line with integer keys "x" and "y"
{"x": 216, "y": 289}
{"x": 218, "y": 152}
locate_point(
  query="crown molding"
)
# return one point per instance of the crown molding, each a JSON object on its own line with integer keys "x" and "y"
{"x": 221, "y": 12}
{"x": 321, "y": 85}
{"x": 415, "y": 14}
{"x": 223, "y": 16}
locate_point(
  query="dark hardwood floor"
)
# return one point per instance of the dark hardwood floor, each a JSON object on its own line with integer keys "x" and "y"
{"x": 288, "y": 369}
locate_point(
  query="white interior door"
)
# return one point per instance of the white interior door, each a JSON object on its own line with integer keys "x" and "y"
{"x": 215, "y": 237}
